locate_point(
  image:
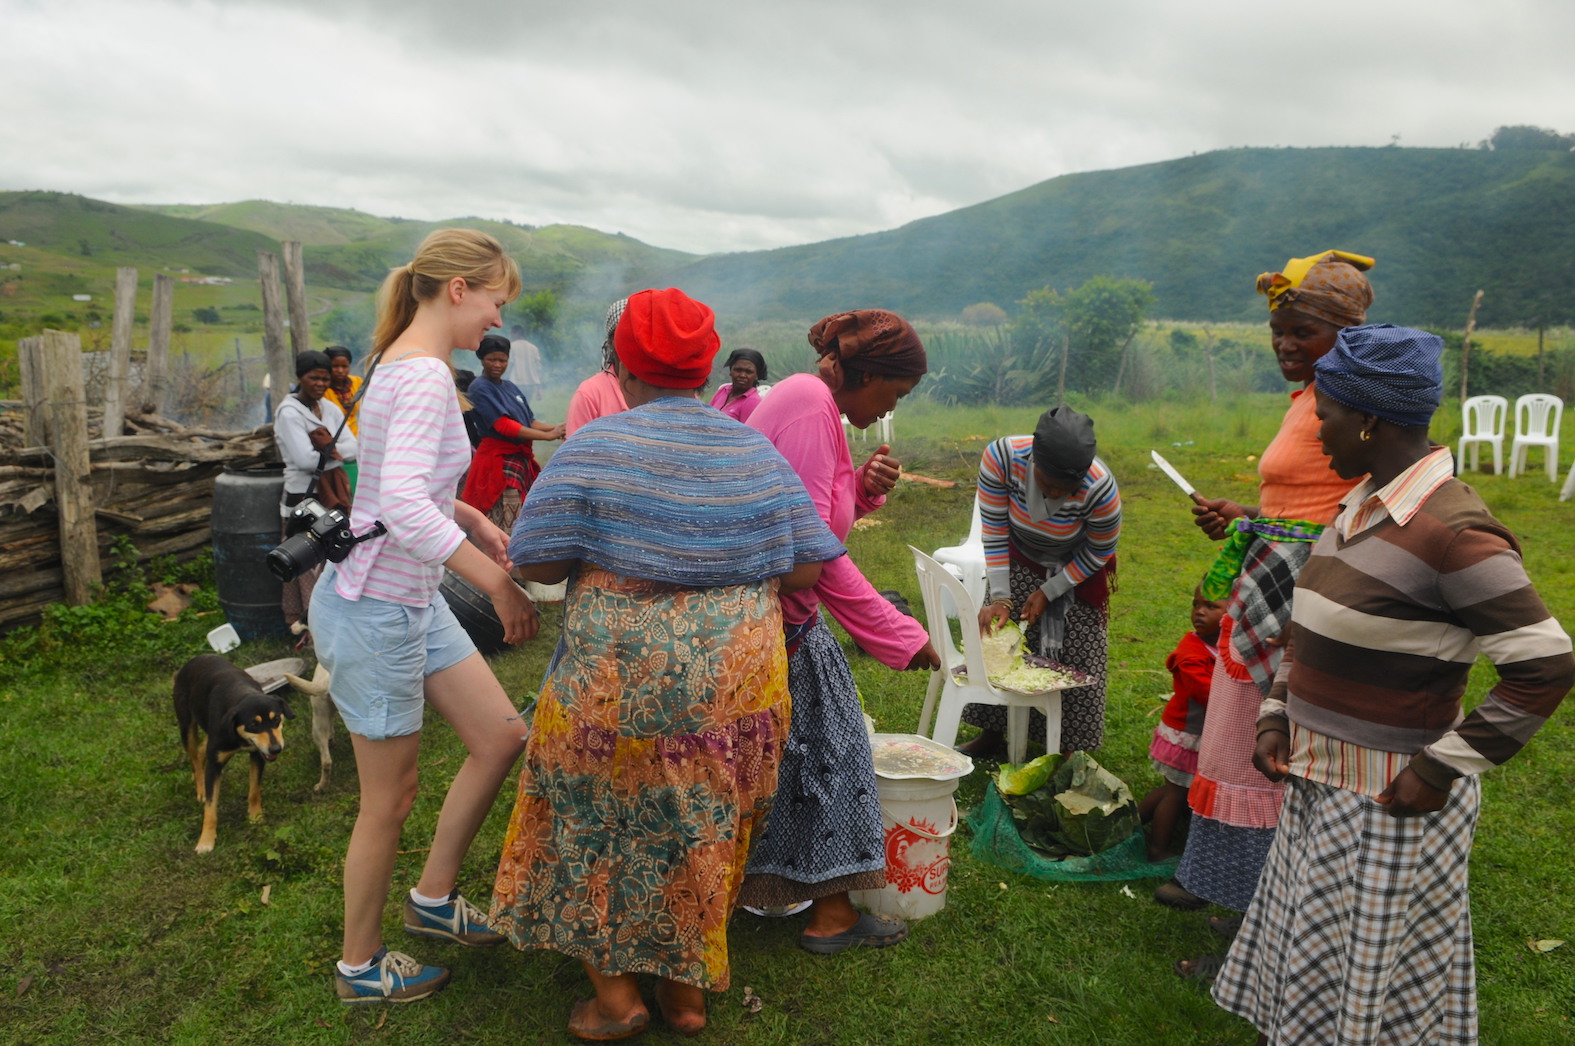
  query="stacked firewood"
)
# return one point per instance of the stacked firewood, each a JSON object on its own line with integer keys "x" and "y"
{"x": 155, "y": 487}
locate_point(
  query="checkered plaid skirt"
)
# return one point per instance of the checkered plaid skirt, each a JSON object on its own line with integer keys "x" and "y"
{"x": 1360, "y": 932}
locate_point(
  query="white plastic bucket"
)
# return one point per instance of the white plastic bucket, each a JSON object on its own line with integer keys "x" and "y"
{"x": 916, "y": 779}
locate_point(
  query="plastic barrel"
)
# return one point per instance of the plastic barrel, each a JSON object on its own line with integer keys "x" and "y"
{"x": 474, "y": 610}
{"x": 245, "y": 526}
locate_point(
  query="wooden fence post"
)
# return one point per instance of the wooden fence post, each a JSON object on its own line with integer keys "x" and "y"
{"x": 280, "y": 370}
{"x": 160, "y": 319}
{"x": 295, "y": 286}
{"x": 61, "y": 354}
{"x": 120, "y": 351}
{"x": 31, "y": 365}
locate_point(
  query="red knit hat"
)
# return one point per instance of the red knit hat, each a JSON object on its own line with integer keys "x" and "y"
{"x": 667, "y": 339}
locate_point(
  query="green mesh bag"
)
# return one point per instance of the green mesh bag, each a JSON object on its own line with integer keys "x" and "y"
{"x": 996, "y": 841}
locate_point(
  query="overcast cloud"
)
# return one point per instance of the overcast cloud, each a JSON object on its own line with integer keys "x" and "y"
{"x": 714, "y": 126}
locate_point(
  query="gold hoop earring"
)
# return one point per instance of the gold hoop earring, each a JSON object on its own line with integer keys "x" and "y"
{"x": 1366, "y": 435}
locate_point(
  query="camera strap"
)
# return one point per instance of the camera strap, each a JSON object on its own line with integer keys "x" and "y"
{"x": 324, "y": 454}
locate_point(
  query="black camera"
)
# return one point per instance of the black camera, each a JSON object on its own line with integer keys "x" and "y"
{"x": 327, "y": 537}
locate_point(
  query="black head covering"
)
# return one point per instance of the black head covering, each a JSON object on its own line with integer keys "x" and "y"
{"x": 752, "y": 356}
{"x": 310, "y": 360}
{"x": 335, "y": 352}
{"x": 1064, "y": 444}
{"x": 490, "y": 344}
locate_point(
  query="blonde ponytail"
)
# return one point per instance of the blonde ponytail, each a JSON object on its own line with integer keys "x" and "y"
{"x": 468, "y": 254}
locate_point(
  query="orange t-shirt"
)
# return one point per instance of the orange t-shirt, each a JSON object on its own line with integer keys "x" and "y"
{"x": 1296, "y": 480}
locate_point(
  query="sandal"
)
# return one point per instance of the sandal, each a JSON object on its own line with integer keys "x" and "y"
{"x": 1226, "y": 925}
{"x": 1204, "y": 968}
{"x": 609, "y": 1032}
{"x": 871, "y": 931}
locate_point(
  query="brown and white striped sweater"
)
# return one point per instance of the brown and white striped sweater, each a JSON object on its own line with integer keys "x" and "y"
{"x": 1386, "y": 626}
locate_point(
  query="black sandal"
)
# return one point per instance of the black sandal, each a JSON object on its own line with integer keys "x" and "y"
{"x": 1204, "y": 968}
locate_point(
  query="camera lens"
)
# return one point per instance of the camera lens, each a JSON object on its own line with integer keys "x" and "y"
{"x": 294, "y": 556}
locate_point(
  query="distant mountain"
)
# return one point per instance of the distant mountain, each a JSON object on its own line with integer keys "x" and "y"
{"x": 1441, "y": 222}
{"x": 97, "y": 234}
{"x": 74, "y": 243}
{"x": 312, "y": 226}
{"x": 346, "y": 248}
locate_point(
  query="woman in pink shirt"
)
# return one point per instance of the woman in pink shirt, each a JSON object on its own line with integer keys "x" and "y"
{"x": 384, "y": 631}
{"x": 824, "y": 836}
{"x": 599, "y": 395}
{"x": 739, "y": 397}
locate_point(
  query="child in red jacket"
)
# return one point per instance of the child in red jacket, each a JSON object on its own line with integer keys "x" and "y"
{"x": 1175, "y": 746}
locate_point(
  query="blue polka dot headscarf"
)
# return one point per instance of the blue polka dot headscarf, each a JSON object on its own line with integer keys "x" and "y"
{"x": 1394, "y": 372}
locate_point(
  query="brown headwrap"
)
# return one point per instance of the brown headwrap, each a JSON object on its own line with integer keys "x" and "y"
{"x": 1328, "y": 285}
{"x": 870, "y": 340}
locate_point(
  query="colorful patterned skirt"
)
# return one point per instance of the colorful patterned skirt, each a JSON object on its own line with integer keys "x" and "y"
{"x": 652, "y": 760}
{"x": 1360, "y": 932}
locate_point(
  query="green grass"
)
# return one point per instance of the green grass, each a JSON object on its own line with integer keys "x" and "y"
{"x": 115, "y": 931}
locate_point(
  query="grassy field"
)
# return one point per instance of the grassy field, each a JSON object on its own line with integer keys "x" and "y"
{"x": 115, "y": 931}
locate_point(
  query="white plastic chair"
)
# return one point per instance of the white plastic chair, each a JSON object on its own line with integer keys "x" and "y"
{"x": 882, "y": 428}
{"x": 1537, "y": 416}
{"x": 966, "y": 561}
{"x": 1484, "y": 418}
{"x": 944, "y": 701}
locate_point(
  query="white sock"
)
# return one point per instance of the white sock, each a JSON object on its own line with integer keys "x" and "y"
{"x": 427, "y": 902}
{"x": 350, "y": 971}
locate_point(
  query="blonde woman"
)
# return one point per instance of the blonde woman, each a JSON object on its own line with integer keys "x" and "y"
{"x": 384, "y": 631}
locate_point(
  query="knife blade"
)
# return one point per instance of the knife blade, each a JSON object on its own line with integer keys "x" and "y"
{"x": 1177, "y": 478}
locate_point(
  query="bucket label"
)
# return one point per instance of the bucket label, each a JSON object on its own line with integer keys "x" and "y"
{"x": 914, "y": 862}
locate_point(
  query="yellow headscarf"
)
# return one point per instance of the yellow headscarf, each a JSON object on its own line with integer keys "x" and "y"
{"x": 1328, "y": 285}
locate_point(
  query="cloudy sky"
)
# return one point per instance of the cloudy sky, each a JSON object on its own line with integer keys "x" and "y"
{"x": 714, "y": 126}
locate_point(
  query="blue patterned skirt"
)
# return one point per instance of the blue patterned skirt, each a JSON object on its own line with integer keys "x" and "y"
{"x": 824, "y": 834}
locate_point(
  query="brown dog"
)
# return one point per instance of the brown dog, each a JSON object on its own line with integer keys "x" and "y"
{"x": 214, "y": 697}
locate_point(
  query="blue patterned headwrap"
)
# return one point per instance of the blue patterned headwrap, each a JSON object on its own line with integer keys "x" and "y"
{"x": 1394, "y": 372}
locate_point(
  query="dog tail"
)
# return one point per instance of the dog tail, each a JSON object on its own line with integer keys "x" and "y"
{"x": 318, "y": 684}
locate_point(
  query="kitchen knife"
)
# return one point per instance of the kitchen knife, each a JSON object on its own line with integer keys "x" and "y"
{"x": 1168, "y": 469}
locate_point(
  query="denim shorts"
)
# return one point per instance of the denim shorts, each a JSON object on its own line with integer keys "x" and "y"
{"x": 380, "y": 653}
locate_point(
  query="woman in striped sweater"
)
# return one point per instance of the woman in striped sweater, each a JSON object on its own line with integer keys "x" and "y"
{"x": 384, "y": 631}
{"x": 1360, "y": 931}
{"x": 1052, "y": 516}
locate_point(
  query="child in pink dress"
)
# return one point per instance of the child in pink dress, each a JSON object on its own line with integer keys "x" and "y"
{"x": 1175, "y": 746}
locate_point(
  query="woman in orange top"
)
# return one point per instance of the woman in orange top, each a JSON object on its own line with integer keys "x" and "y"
{"x": 1235, "y": 807}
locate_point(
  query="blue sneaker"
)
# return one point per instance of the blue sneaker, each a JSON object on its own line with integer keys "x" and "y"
{"x": 458, "y": 921}
{"x": 393, "y": 977}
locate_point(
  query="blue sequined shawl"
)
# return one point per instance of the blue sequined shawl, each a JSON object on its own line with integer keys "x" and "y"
{"x": 674, "y": 492}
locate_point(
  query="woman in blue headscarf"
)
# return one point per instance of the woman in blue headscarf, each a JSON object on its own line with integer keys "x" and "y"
{"x": 1360, "y": 929}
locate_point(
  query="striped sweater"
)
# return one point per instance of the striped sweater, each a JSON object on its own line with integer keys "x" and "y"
{"x": 1078, "y": 534}
{"x": 1388, "y": 621}
{"x": 413, "y": 451}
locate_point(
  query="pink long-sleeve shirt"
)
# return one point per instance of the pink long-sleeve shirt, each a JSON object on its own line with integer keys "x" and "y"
{"x": 413, "y": 451}
{"x": 802, "y": 421}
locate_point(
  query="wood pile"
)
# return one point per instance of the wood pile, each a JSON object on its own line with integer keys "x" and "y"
{"x": 154, "y": 486}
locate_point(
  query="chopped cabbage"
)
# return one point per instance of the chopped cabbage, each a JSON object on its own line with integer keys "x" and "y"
{"x": 1003, "y": 649}
{"x": 1028, "y": 679}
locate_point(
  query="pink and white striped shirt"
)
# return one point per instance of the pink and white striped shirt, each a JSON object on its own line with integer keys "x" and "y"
{"x": 413, "y": 452}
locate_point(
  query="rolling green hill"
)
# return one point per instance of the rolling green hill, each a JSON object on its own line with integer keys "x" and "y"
{"x": 103, "y": 235}
{"x": 1441, "y": 222}
{"x": 346, "y": 248}
{"x": 71, "y": 245}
